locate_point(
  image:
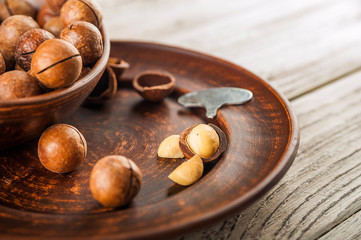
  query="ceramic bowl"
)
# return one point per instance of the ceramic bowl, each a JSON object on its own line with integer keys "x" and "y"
{"x": 24, "y": 119}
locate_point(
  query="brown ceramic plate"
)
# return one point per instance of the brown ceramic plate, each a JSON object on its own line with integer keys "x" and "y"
{"x": 263, "y": 139}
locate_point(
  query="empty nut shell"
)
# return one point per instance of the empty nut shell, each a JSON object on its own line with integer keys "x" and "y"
{"x": 188, "y": 153}
{"x": 27, "y": 44}
{"x": 154, "y": 86}
{"x": 56, "y": 63}
{"x": 115, "y": 180}
{"x": 105, "y": 89}
{"x": 118, "y": 65}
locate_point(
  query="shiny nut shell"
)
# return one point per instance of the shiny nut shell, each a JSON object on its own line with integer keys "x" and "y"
{"x": 16, "y": 7}
{"x": 188, "y": 153}
{"x": 86, "y": 38}
{"x": 10, "y": 31}
{"x": 54, "y": 25}
{"x": 55, "y": 5}
{"x": 27, "y": 44}
{"x": 18, "y": 84}
{"x": 62, "y": 148}
{"x": 56, "y": 63}
{"x": 45, "y": 14}
{"x": 81, "y": 10}
{"x": 115, "y": 180}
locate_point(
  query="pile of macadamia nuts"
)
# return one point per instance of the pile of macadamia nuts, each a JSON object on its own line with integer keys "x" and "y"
{"x": 47, "y": 48}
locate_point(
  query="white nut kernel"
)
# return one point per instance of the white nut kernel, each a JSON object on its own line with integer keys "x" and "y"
{"x": 203, "y": 140}
{"x": 188, "y": 172}
{"x": 169, "y": 148}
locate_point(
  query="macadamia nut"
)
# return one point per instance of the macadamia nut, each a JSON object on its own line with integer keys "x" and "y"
{"x": 115, "y": 180}
{"x": 188, "y": 172}
{"x": 169, "y": 148}
{"x": 203, "y": 140}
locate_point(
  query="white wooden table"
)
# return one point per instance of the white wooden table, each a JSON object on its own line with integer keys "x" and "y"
{"x": 310, "y": 51}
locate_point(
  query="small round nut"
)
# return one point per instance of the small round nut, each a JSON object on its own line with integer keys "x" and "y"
{"x": 54, "y": 25}
{"x": 45, "y": 14}
{"x": 115, "y": 180}
{"x": 56, "y": 64}
{"x": 169, "y": 148}
{"x": 55, "y": 5}
{"x": 16, "y": 7}
{"x": 188, "y": 172}
{"x": 208, "y": 143}
{"x": 62, "y": 148}
{"x": 86, "y": 38}
{"x": 10, "y": 31}
{"x": 18, "y": 84}
{"x": 2, "y": 64}
{"x": 81, "y": 10}
{"x": 27, "y": 44}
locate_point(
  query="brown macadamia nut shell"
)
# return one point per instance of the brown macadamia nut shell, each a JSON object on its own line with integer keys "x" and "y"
{"x": 81, "y": 10}
{"x": 10, "y": 31}
{"x": 115, "y": 180}
{"x": 2, "y": 64}
{"x": 86, "y": 38}
{"x": 55, "y": 5}
{"x": 154, "y": 86}
{"x": 27, "y": 44}
{"x": 188, "y": 153}
{"x": 54, "y": 25}
{"x": 16, "y": 7}
{"x": 56, "y": 63}
{"x": 61, "y": 148}
{"x": 45, "y": 14}
{"x": 18, "y": 84}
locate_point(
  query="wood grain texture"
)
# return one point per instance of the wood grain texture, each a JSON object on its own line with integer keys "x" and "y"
{"x": 297, "y": 45}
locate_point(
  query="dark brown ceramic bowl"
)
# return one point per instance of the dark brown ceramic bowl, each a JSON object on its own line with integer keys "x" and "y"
{"x": 25, "y": 119}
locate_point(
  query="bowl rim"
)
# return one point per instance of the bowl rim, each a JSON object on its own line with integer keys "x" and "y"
{"x": 78, "y": 85}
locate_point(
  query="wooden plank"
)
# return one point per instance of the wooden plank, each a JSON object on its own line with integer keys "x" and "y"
{"x": 322, "y": 187}
{"x": 297, "y": 45}
{"x": 343, "y": 231}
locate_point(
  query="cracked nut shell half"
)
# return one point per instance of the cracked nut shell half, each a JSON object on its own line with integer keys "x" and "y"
{"x": 154, "y": 86}
{"x": 188, "y": 153}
